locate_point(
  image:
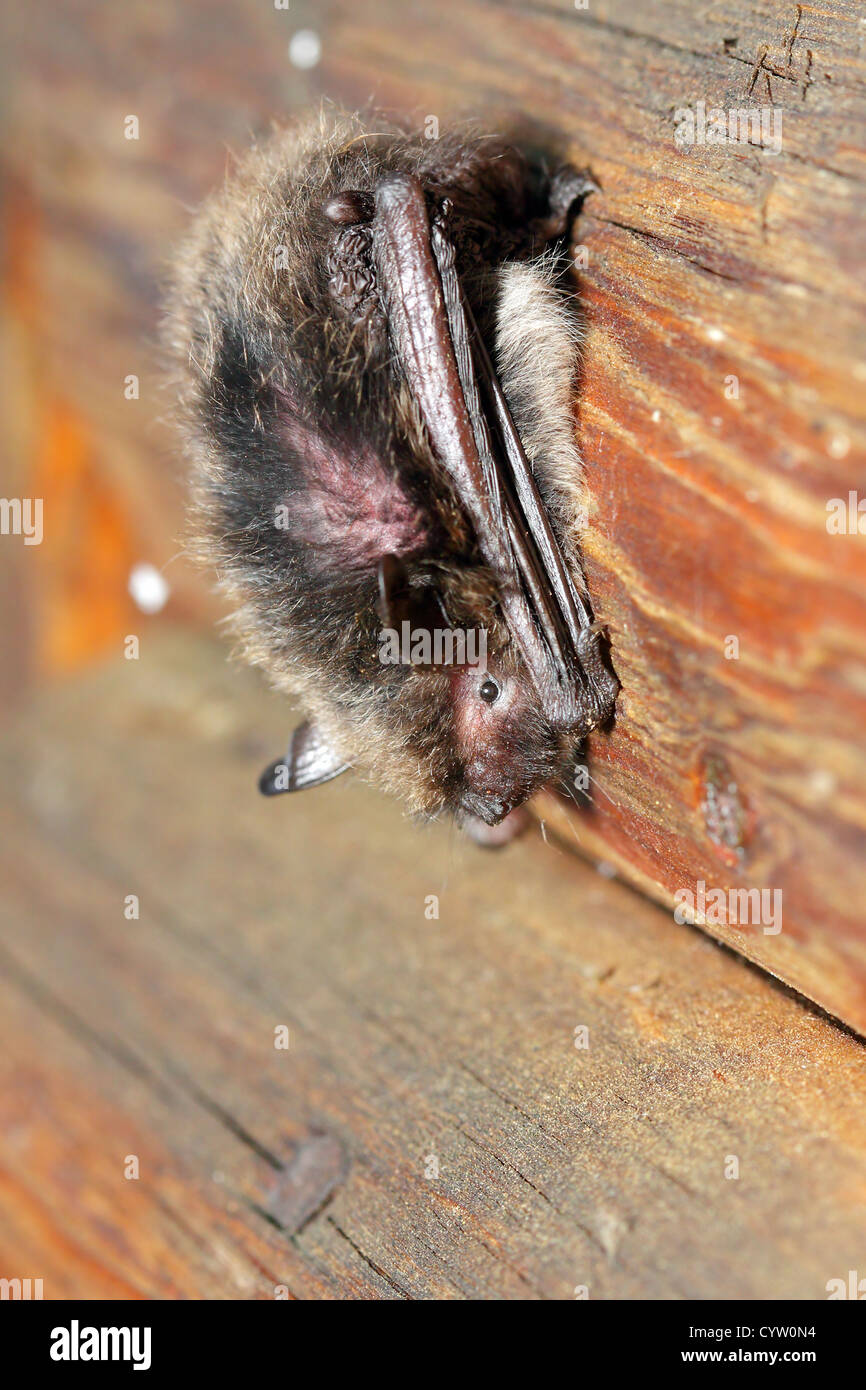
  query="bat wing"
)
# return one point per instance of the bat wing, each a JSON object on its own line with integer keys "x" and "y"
{"x": 449, "y": 372}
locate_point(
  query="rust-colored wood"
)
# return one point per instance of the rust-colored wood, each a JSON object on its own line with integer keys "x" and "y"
{"x": 708, "y": 511}
{"x": 431, "y": 1130}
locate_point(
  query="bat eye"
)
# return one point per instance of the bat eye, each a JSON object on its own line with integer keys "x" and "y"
{"x": 489, "y": 691}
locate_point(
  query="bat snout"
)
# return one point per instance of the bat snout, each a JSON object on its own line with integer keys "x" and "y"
{"x": 491, "y": 809}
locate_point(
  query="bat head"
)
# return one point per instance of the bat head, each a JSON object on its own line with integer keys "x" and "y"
{"x": 503, "y": 749}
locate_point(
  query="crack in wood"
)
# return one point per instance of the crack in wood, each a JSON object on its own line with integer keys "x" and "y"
{"x": 53, "y": 1007}
{"x": 664, "y": 246}
{"x": 377, "y": 1269}
{"x": 218, "y": 1112}
{"x": 788, "y": 73}
{"x": 533, "y": 1120}
{"x": 506, "y": 1163}
{"x": 608, "y": 26}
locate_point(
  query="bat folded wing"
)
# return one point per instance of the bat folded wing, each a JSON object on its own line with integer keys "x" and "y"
{"x": 449, "y": 371}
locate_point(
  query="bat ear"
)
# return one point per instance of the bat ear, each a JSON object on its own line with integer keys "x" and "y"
{"x": 398, "y": 603}
{"x": 308, "y": 762}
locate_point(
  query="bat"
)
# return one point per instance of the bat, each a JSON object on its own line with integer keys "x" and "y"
{"x": 375, "y": 349}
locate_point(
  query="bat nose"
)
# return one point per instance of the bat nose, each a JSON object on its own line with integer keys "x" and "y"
{"x": 489, "y": 808}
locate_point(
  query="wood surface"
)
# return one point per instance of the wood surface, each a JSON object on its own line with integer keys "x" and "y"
{"x": 708, "y": 515}
{"x": 431, "y": 1131}
{"x": 311, "y": 1170}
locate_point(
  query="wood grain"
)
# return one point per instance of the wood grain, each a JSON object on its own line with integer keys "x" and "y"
{"x": 716, "y": 268}
{"x": 708, "y": 517}
{"x": 432, "y": 1131}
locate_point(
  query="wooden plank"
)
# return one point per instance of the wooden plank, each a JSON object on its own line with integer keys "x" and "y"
{"x": 432, "y": 1131}
{"x": 709, "y": 511}
{"x": 738, "y": 623}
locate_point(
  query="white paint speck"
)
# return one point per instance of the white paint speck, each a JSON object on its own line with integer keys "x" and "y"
{"x": 606, "y": 869}
{"x": 838, "y": 446}
{"x": 716, "y": 422}
{"x": 822, "y": 783}
{"x": 656, "y": 416}
{"x": 148, "y": 587}
{"x": 716, "y": 335}
{"x": 305, "y": 49}
{"x": 612, "y": 1228}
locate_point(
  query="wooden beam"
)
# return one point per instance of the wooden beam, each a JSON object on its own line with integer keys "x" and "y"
{"x": 548, "y": 1085}
{"x": 721, "y": 406}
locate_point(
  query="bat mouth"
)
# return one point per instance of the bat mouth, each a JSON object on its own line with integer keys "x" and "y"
{"x": 492, "y": 810}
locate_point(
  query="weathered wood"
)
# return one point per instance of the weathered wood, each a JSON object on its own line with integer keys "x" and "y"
{"x": 432, "y": 1131}
{"x": 708, "y": 512}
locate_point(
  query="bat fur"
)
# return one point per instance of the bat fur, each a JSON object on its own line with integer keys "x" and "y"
{"x": 291, "y": 408}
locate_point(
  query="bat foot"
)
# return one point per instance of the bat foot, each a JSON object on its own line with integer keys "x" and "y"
{"x": 603, "y": 684}
{"x": 497, "y": 836}
{"x": 568, "y": 188}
